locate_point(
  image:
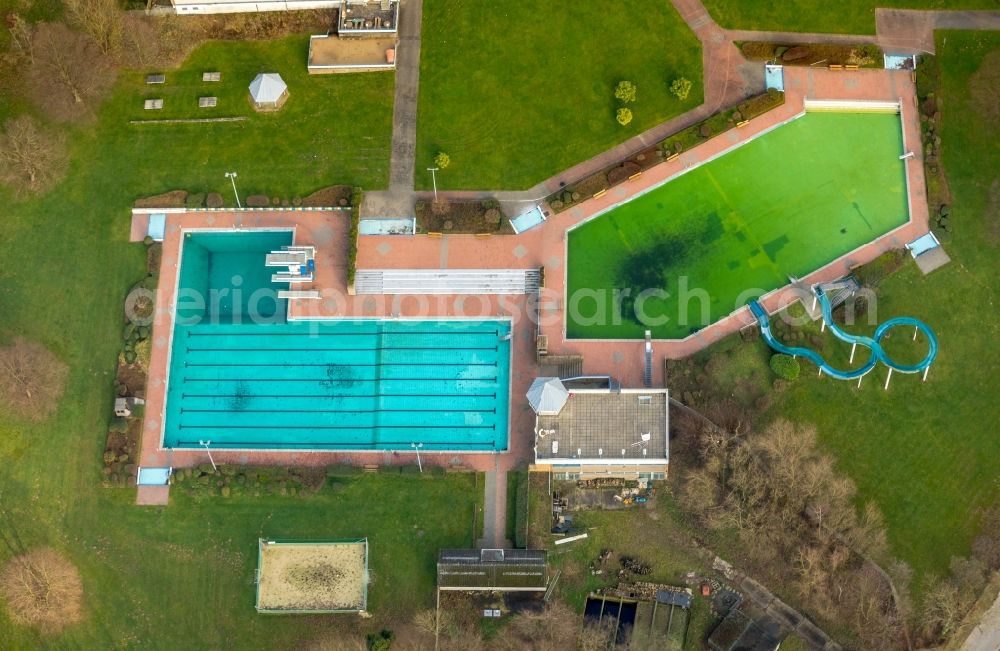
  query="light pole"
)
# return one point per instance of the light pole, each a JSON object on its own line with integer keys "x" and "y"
{"x": 206, "y": 444}
{"x": 433, "y": 171}
{"x": 232, "y": 177}
{"x": 417, "y": 446}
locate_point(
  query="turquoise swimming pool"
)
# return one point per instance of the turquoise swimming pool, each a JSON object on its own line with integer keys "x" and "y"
{"x": 336, "y": 385}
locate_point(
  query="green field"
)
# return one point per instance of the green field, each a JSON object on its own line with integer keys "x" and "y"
{"x": 516, "y": 92}
{"x": 851, "y": 17}
{"x": 927, "y": 453}
{"x": 782, "y": 205}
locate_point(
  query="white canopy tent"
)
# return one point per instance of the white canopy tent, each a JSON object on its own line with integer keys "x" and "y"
{"x": 547, "y": 396}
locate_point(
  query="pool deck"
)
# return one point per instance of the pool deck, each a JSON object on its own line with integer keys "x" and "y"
{"x": 543, "y": 246}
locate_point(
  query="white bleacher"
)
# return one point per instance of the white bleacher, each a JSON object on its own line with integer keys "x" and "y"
{"x": 446, "y": 281}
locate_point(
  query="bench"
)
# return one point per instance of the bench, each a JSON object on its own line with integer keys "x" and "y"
{"x": 291, "y": 293}
{"x": 152, "y": 104}
{"x": 211, "y": 76}
{"x": 156, "y": 79}
{"x": 207, "y": 102}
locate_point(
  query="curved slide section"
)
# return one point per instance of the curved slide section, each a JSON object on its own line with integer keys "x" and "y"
{"x": 878, "y": 354}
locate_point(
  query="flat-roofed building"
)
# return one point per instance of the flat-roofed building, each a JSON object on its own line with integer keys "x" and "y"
{"x": 583, "y": 431}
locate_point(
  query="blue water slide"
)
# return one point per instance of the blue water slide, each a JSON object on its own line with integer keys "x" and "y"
{"x": 877, "y": 355}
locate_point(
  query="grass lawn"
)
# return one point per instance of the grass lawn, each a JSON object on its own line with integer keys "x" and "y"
{"x": 738, "y": 224}
{"x": 333, "y": 128}
{"x": 851, "y": 17}
{"x": 182, "y": 576}
{"x": 927, "y": 453}
{"x": 517, "y": 92}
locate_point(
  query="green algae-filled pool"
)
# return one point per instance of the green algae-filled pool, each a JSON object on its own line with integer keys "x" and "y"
{"x": 784, "y": 204}
{"x": 241, "y": 377}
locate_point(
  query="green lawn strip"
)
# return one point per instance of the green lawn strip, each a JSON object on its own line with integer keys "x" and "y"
{"x": 851, "y": 17}
{"x": 517, "y": 92}
{"x": 740, "y": 222}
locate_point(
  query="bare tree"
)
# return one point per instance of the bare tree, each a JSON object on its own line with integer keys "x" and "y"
{"x": 43, "y": 590}
{"x": 30, "y": 159}
{"x": 31, "y": 379}
{"x": 102, "y": 20}
{"x": 21, "y": 40}
{"x": 70, "y": 74}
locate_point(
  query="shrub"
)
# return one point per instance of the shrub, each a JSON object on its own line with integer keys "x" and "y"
{"x": 624, "y": 116}
{"x": 214, "y": 200}
{"x": 442, "y": 160}
{"x": 625, "y": 91}
{"x": 681, "y": 87}
{"x": 257, "y": 201}
{"x": 785, "y": 367}
{"x": 196, "y": 200}
{"x": 795, "y": 53}
{"x": 130, "y": 357}
{"x": 381, "y": 641}
{"x": 704, "y": 130}
{"x": 758, "y": 50}
{"x": 109, "y": 456}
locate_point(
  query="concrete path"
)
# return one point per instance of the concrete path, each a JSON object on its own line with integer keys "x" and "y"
{"x": 986, "y": 635}
{"x": 495, "y": 510}
{"x": 398, "y": 200}
{"x": 899, "y": 31}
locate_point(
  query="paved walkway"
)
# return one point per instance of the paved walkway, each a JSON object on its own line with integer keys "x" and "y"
{"x": 986, "y": 635}
{"x": 495, "y": 510}
{"x": 398, "y": 200}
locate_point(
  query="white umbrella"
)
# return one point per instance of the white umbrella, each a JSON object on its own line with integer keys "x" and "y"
{"x": 547, "y": 395}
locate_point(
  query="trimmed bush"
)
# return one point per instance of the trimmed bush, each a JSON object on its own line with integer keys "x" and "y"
{"x": 257, "y": 201}
{"x": 681, "y": 87}
{"x": 442, "y": 160}
{"x": 625, "y": 91}
{"x": 196, "y": 200}
{"x": 214, "y": 200}
{"x": 624, "y": 116}
{"x": 785, "y": 367}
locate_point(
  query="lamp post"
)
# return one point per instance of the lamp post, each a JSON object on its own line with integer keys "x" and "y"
{"x": 433, "y": 171}
{"x": 232, "y": 177}
{"x": 212, "y": 461}
{"x": 417, "y": 446}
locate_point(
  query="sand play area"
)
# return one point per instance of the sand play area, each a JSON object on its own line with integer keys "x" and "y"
{"x": 312, "y": 576}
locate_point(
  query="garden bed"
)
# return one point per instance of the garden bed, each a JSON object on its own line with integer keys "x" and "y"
{"x": 572, "y": 194}
{"x": 864, "y": 55}
{"x": 468, "y": 217}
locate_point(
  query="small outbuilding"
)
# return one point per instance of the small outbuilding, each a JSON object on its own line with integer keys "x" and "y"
{"x": 268, "y": 91}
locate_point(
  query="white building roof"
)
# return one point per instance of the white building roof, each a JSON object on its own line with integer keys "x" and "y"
{"x": 267, "y": 88}
{"x": 547, "y": 396}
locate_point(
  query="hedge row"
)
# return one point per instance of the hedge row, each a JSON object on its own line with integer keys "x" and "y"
{"x": 673, "y": 144}
{"x": 352, "y": 236}
{"x": 521, "y": 511}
